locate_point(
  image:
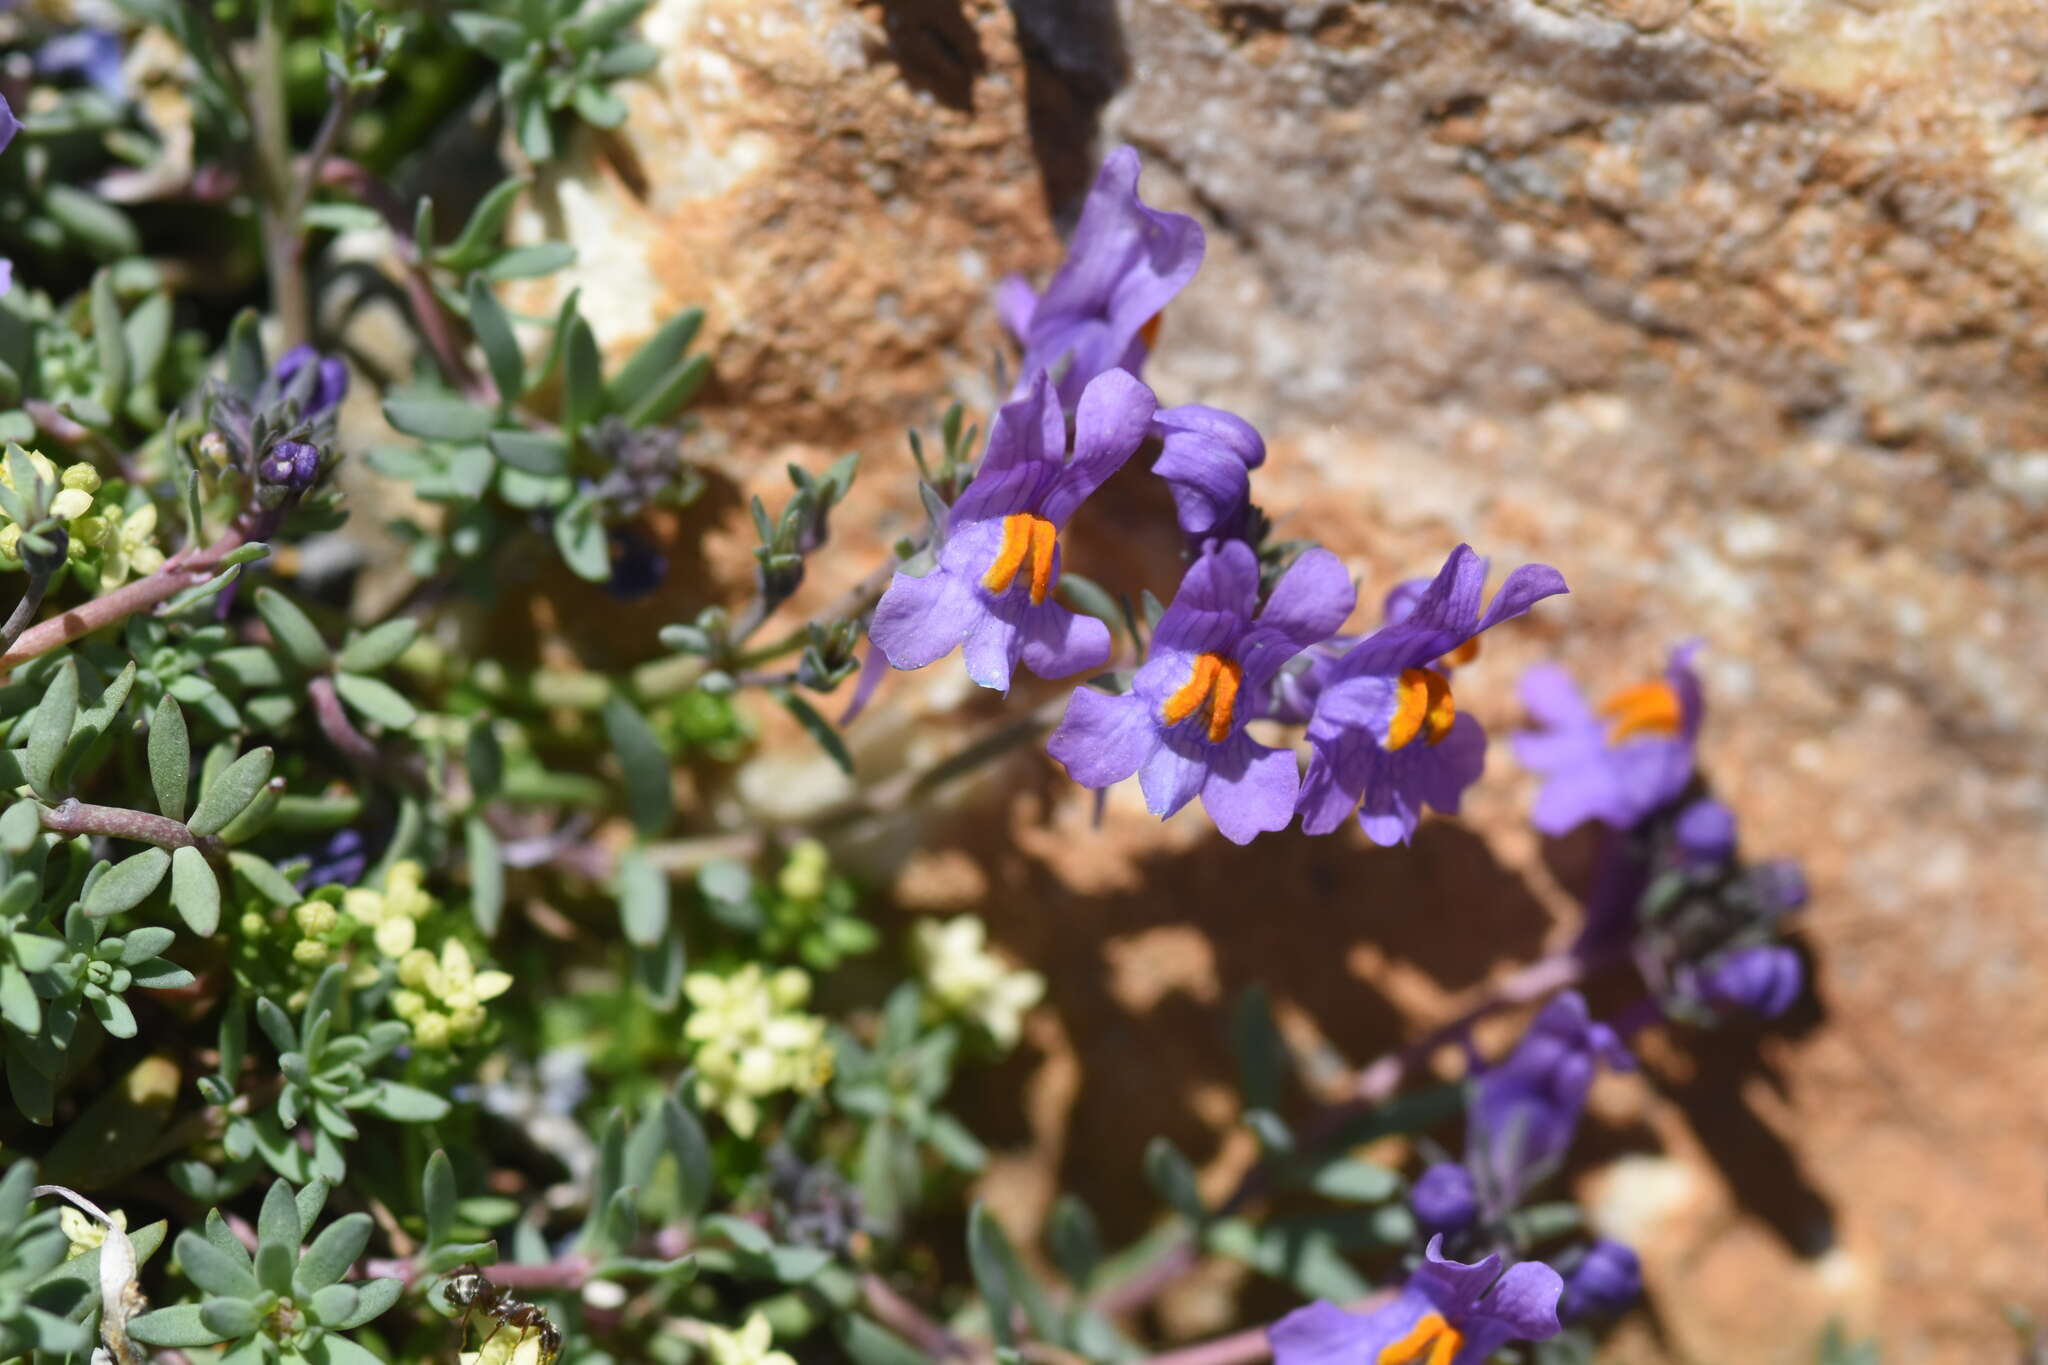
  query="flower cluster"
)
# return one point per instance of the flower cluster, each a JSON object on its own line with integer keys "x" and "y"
{"x": 749, "y": 1040}
{"x": 968, "y": 981}
{"x": 442, "y": 998}
{"x": 1384, "y": 730}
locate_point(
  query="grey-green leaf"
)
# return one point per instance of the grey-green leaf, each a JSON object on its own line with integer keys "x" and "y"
{"x": 494, "y": 333}
{"x": 643, "y": 899}
{"x": 230, "y": 1319}
{"x": 178, "y": 1325}
{"x": 650, "y": 797}
{"x": 332, "y": 1252}
{"x": 486, "y": 874}
{"x": 376, "y": 700}
{"x": 532, "y": 452}
{"x": 655, "y": 358}
{"x": 380, "y": 646}
{"x": 230, "y": 794}
{"x": 124, "y": 885}
{"x": 195, "y": 891}
{"x": 51, "y": 729}
{"x": 438, "y": 417}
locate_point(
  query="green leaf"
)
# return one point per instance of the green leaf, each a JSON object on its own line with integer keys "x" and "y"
{"x": 486, "y": 874}
{"x": 332, "y": 1253}
{"x": 376, "y": 700}
{"x": 406, "y": 1103}
{"x": 869, "y": 1343}
{"x": 373, "y": 1299}
{"x": 98, "y": 226}
{"x": 583, "y": 396}
{"x": 274, "y": 885}
{"x": 336, "y": 216}
{"x": 293, "y": 629}
{"x": 658, "y": 355}
{"x": 538, "y": 453}
{"x": 230, "y": 1319}
{"x": 143, "y": 943}
{"x": 18, "y": 1003}
{"x": 438, "y": 418}
{"x": 331, "y": 1303}
{"x": 230, "y": 794}
{"x": 51, "y": 729}
{"x": 820, "y": 729}
{"x": 34, "y": 952}
{"x": 1261, "y": 1055}
{"x": 339, "y": 1350}
{"x": 650, "y": 795}
{"x": 686, "y": 1142}
{"x": 479, "y": 237}
{"x": 110, "y": 341}
{"x": 20, "y": 827}
{"x": 643, "y": 899}
{"x": 380, "y": 646}
{"x": 989, "y": 1256}
{"x": 1174, "y": 1179}
{"x": 485, "y": 758}
{"x": 437, "y": 1197}
{"x": 214, "y": 1270}
{"x": 279, "y": 1224}
{"x": 1075, "y": 1241}
{"x": 125, "y": 885}
{"x": 579, "y": 535}
{"x": 170, "y": 758}
{"x": 494, "y": 334}
{"x": 599, "y": 106}
{"x": 1355, "y": 1182}
{"x": 676, "y": 388}
{"x": 178, "y": 1325}
{"x": 528, "y": 262}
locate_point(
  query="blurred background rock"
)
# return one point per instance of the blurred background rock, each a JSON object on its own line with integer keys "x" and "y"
{"x": 1731, "y": 309}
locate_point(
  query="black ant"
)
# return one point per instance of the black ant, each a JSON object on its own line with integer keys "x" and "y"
{"x": 469, "y": 1290}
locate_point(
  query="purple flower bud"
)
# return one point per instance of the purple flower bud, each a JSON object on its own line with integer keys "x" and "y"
{"x": 293, "y": 464}
{"x": 9, "y": 124}
{"x": 1777, "y": 887}
{"x": 637, "y": 565}
{"x": 343, "y": 858}
{"x": 1764, "y": 979}
{"x": 1706, "y": 833}
{"x": 330, "y": 383}
{"x": 1444, "y": 1199}
{"x": 91, "y": 53}
{"x": 1525, "y": 1112}
{"x": 1605, "y": 1283}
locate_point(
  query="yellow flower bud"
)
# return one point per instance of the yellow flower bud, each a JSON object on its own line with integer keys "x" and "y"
{"x": 82, "y": 477}
{"x": 395, "y": 936}
{"x": 10, "y": 540}
{"x": 310, "y": 952}
{"x": 415, "y": 968}
{"x": 430, "y": 1030}
{"x": 408, "y": 1005}
{"x": 71, "y": 504}
{"x": 316, "y": 918}
{"x": 803, "y": 876}
{"x": 252, "y": 924}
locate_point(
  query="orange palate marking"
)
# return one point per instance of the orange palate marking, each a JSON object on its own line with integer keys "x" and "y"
{"x": 1650, "y": 708}
{"x": 1214, "y": 683}
{"x": 1462, "y": 655}
{"x": 1149, "y": 333}
{"x": 1432, "y": 1335}
{"x": 1424, "y": 706}
{"x": 1024, "y": 537}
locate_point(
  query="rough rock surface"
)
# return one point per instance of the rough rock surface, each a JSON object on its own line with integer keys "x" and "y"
{"x": 1734, "y": 310}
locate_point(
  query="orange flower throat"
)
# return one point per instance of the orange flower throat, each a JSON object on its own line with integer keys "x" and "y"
{"x": 1024, "y": 537}
{"x": 1432, "y": 1342}
{"x": 1423, "y": 706}
{"x": 1650, "y": 708}
{"x": 1213, "y": 684}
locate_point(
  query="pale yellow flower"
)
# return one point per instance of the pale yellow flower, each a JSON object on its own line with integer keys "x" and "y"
{"x": 751, "y": 1039}
{"x": 967, "y": 980}
{"x": 444, "y": 997}
{"x": 86, "y": 1234}
{"x": 127, "y": 543}
{"x": 751, "y": 1345}
{"x": 803, "y": 877}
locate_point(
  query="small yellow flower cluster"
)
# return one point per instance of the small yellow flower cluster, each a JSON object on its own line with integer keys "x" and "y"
{"x": 748, "y": 1346}
{"x": 393, "y": 914}
{"x": 86, "y": 1234}
{"x": 804, "y": 876}
{"x": 315, "y": 920}
{"x": 518, "y": 1347}
{"x": 968, "y": 980}
{"x": 126, "y": 540}
{"x": 751, "y": 1040}
{"x": 443, "y": 998}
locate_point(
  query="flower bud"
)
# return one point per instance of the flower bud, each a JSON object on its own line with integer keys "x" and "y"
{"x": 291, "y": 464}
{"x": 1443, "y": 1199}
{"x": 82, "y": 478}
{"x": 328, "y": 386}
{"x": 1606, "y": 1282}
{"x": 1777, "y": 887}
{"x": 1764, "y": 979}
{"x": 1705, "y": 831}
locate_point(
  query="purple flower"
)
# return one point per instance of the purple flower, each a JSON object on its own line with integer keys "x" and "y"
{"x": 92, "y": 53}
{"x": 638, "y": 565}
{"x": 330, "y": 379}
{"x": 1181, "y": 726}
{"x": 1764, "y": 979}
{"x": 1444, "y": 1199}
{"x": 293, "y": 464}
{"x": 1449, "y": 1313}
{"x": 343, "y": 858}
{"x": 1619, "y": 763}
{"x": 1776, "y": 886}
{"x": 1124, "y": 264}
{"x": 9, "y": 124}
{"x": 1605, "y": 1283}
{"x": 1387, "y": 735}
{"x": 1206, "y": 458}
{"x": 992, "y": 589}
{"x": 1705, "y": 832}
{"x": 1525, "y": 1111}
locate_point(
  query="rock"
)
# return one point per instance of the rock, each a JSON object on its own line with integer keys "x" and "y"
{"x": 1732, "y": 311}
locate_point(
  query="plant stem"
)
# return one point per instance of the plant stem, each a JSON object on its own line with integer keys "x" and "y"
{"x": 72, "y": 816}
{"x": 25, "y": 610}
{"x": 178, "y": 573}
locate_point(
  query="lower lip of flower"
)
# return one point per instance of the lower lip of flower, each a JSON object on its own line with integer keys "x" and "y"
{"x": 1423, "y": 707}
{"x": 1650, "y": 708}
{"x": 1025, "y": 537}
{"x": 1213, "y": 684}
